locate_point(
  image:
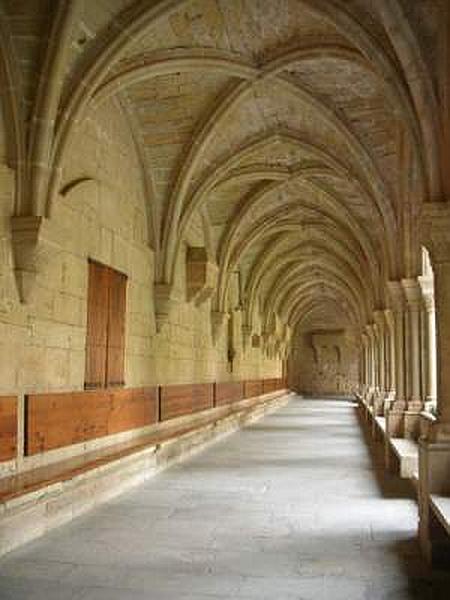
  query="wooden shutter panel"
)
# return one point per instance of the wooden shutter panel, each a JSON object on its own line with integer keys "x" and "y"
{"x": 116, "y": 328}
{"x": 97, "y": 326}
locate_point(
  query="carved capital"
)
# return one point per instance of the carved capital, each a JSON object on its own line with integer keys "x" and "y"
{"x": 370, "y": 331}
{"x": 378, "y": 316}
{"x": 33, "y": 248}
{"x": 426, "y": 283}
{"x": 413, "y": 293}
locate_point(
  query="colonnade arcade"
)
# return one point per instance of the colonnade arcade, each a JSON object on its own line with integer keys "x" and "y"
{"x": 398, "y": 360}
{"x": 251, "y": 188}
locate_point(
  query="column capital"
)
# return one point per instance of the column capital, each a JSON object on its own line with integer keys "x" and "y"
{"x": 413, "y": 292}
{"x": 426, "y": 283}
{"x": 370, "y": 330}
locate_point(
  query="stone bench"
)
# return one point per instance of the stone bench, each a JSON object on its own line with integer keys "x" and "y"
{"x": 35, "y": 501}
{"x": 439, "y": 524}
{"x": 407, "y": 453}
{"x": 434, "y": 501}
{"x": 381, "y": 424}
{"x": 379, "y": 428}
{"x": 440, "y": 506}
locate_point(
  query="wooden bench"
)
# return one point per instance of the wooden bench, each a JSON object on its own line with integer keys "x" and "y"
{"x": 55, "y": 420}
{"x": 27, "y": 482}
{"x": 37, "y": 500}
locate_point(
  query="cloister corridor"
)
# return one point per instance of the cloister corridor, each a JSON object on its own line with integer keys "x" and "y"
{"x": 294, "y": 506}
{"x": 224, "y": 299}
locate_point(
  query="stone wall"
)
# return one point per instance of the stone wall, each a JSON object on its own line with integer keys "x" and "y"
{"x": 102, "y": 212}
{"x": 324, "y": 362}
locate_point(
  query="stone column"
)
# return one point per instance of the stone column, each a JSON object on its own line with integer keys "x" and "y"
{"x": 442, "y": 299}
{"x": 423, "y": 349}
{"x": 380, "y": 334}
{"x": 414, "y": 300}
{"x": 390, "y": 330}
{"x": 427, "y": 285}
{"x": 364, "y": 363}
{"x": 387, "y": 369}
{"x": 413, "y": 294}
{"x": 434, "y": 450}
{"x": 407, "y": 353}
{"x": 380, "y": 395}
{"x": 372, "y": 357}
{"x": 395, "y": 416}
{"x": 398, "y": 308}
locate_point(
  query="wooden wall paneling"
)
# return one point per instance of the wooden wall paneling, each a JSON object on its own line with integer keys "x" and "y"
{"x": 150, "y": 398}
{"x": 202, "y": 396}
{"x": 56, "y": 420}
{"x": 229, "y": 392}
{"x": 59, "y": 420}
{"x": 253, "y": 388}
{"x": 185, "y": 399}
{"x": 51, "y": 422}
{"x": 158, "y": 400}
{"x": 272, "y": 385}
{"x": 96, "y": 407}
{"x": 132, "y": 409}
{"x": 176, "y": 400}
{"x": 8, "y": 428}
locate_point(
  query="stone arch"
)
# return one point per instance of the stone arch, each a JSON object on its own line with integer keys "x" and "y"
{"x": 11, "y": 105}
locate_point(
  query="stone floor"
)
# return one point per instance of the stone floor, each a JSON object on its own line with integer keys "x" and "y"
{"x": 293, "y": 507}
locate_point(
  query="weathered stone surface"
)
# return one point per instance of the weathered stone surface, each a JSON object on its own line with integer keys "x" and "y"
{"x": 262, "y": 514}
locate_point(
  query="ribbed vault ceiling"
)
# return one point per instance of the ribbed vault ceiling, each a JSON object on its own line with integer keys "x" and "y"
{"x": 269, "y": 118}
{"x": 288, "y": 125}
